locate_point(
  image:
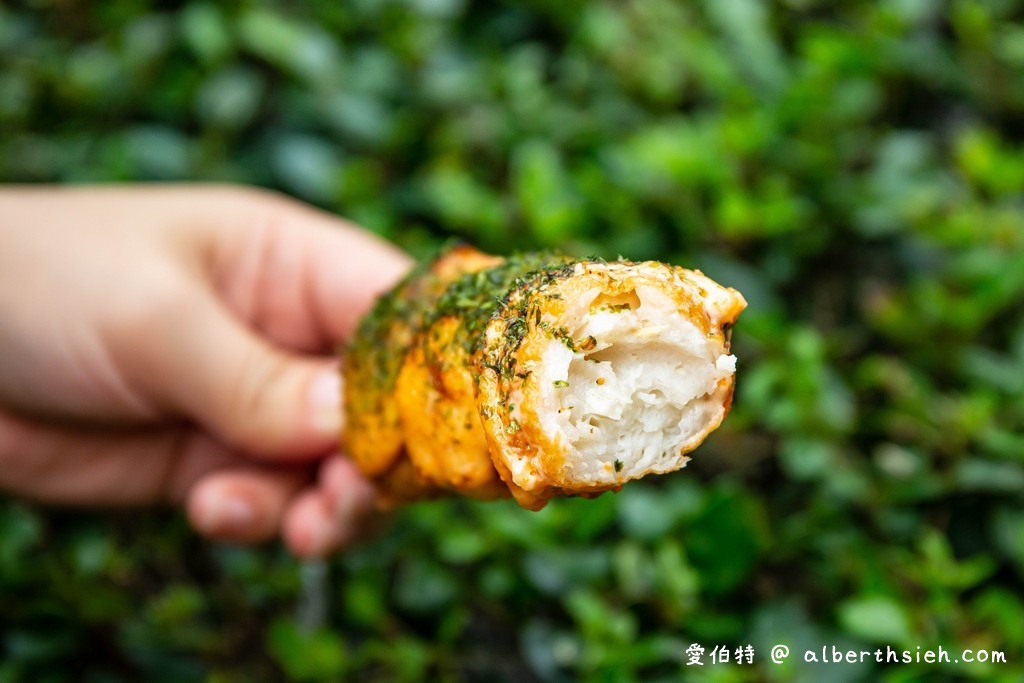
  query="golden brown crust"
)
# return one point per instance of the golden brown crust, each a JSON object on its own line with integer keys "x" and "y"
{"x": 459, "y": 408}
{"x": 437, "y": 403}
{"x": 374, "y": 436}
{"x": 516, "y": 436}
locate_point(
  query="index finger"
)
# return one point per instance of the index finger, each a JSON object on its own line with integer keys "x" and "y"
{"x": 301, "y": 276}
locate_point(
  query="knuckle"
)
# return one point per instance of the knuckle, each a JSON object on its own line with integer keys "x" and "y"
{"x": 253, "y": 401}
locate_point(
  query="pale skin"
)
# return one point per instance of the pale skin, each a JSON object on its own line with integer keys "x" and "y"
{"x": 175, "y": 344}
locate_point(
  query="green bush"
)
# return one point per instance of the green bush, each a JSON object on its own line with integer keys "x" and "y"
{"x": 856, "y": 169}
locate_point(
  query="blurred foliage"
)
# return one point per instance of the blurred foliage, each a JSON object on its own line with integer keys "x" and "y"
{"x": 855, "y": 168}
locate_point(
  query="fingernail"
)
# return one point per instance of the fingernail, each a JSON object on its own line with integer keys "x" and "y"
{"x": 225, "y": 514}
{"x": 325, "y": 402}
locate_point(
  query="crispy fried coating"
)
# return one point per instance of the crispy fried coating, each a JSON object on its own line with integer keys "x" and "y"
{"x": 536, "y": 376}
{"x": 373, "y": 361}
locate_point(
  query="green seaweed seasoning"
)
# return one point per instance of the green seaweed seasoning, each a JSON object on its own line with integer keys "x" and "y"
{"x": 407, "y": 315}
{"x": 373, "y": 356}
{"x": 524, "y": 302}
{"x": 422, "y": 298}
{"x": 475, "y": 297}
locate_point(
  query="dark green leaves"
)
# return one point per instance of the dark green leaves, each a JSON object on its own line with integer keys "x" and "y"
{"x": 856, "y": 169}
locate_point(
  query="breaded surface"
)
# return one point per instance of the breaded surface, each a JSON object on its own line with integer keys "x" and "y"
{"x": 537, "y": 376}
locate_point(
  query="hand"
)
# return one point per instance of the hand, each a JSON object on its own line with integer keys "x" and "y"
{"x": 176, "y": 344}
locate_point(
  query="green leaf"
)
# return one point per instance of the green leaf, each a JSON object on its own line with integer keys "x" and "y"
{"x": 725, "y": 540}
{"x": 230, "y": 98}
{"x": 545, "y": 196}
{"x": 205, "y": 29}
{"x": 307, "y": 165}
{"x": 423, "y": 585}
{"x": 312, "y": 656}
{"x": 304, "y": 50}
{"x": 877, "y": 619}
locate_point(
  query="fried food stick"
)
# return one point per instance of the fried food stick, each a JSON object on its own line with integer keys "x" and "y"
{"x": 536, "y": 376}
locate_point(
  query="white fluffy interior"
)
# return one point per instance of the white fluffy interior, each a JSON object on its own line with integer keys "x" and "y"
{"x": 632, "y": 403}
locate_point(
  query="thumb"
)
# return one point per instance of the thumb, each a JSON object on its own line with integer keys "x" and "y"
{"x": 254, "y": 396}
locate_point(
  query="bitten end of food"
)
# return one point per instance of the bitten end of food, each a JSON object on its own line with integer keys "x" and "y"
{"x": 537, "y": 376}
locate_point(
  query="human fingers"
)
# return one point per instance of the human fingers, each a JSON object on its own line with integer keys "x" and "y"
{"x": 243, "y": 504}
{"x": 129, "y": 259}
{"x": 300, "y": 276}
{"x": 227, "y": 497}
{"x": 205, "y": 363}
{"x": 70, "y": 465}
{"x": 275, "y": 277}
{"x": 326, "y": 518}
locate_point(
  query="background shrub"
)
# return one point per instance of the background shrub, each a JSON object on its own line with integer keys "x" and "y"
{"x": 855, "y": 168}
